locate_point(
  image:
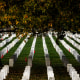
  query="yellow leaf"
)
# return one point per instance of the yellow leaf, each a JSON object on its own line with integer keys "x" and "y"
{"x": 71, "y": 20}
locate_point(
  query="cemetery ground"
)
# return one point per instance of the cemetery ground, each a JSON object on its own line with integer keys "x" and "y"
{"x": 69, "y": 56}
{"x": 39, "y": 70}
{"x": 7, "y": 43}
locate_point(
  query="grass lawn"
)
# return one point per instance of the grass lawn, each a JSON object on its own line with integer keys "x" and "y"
{"x": 70, "y": 57}
{"x": 17, "y": 71}
{"x": 56, "y": 63}
{"x": 5, "y": 59}
{"x": 38, "y": 71}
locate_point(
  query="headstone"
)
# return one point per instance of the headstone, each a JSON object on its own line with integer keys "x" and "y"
{"x": 78, "y": 58}
{"x": 74, "y": 75}
{"x": 7, "y": 68}
{"x": 17, "y": 53}
{"x": 26, "y": 74}
{"x": 47, "y": 55}
{"x": 68, "y": 67}
{"x": 60, "y": 52}
{"x": 11, "y": 62}
{"x": 3, "y": 71}
{"x": 30, "y": 61}
{"x": 47, "y": 60}
{"x": 50, "y": 73}
{"x": 65, "y": 61}
{"x": 14, "y": 57}
{"x": 1, "y": 75}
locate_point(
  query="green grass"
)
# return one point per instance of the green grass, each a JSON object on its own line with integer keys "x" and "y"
{"x": 70, "y": 57}
{"x": 56, "y": 63}
{"x": 17, "y": 71}
{"x": 24, "y": 54}
{"x": 5, "y": 59}
{"x": 39, "y": 71}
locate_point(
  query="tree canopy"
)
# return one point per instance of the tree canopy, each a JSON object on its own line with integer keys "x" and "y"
{"x": 40, "y": 15}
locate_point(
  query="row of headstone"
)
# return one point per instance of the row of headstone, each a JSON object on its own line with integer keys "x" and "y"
{"x": 11, "y": 37}
{"x": 7, "y": 40}
{"x": 50, "y": 72}
{"x": 32, "y": 52}
{"x": 26, "y": 73}
{"x": 3, "y": 37}
{"x": 77, "y": 35}
{"x": 59, "y": 51}
{"x": 74, "y": 37}
{"x": 4, "y": 72}
{"x": 71, "y": 50}
{"x": 46, "y": 54}
{"x": 53, "y": 33}
{"x": 56, "y": 46}
{"x": 73, "y": 43}
{"x": 0, "y": 34}
{"x": 17, "y": 52}
{"x": 3, "y": 43}
{"x": 67, "y": 63}
{"x": 8, "y": 47}
{"x": 72, "y": 72}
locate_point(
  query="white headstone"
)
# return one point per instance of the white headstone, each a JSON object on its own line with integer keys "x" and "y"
{"x": 11, "y": 62}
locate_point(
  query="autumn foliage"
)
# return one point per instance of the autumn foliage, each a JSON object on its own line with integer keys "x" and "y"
{"x": 40, "y": 14}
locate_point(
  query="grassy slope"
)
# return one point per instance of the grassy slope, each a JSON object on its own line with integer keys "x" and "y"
{"x": 38, "y": 71}
{"x": 56, "y": 63}
{"x": 17, "y": 71}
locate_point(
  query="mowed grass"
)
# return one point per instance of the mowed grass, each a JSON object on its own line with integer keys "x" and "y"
{"x": 38, "y": 71}
{"x": 70, "y": 57}
{"x": 76, "y": 65}
{"x": 5, "y": 59}
{"x": 17, "y": 71}
{"x": 60, "y": 72}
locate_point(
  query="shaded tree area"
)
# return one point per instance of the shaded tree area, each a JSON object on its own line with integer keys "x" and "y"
{"x": 40, "y": 15}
